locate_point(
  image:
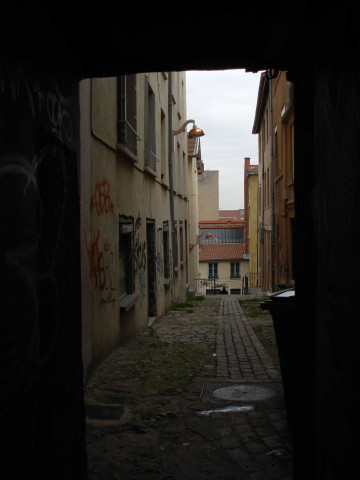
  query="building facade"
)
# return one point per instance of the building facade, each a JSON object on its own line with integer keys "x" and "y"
{"x": 209, "y": 195}
{"x": 195, "y": 170}
{"x": 222, "y": 259}
{"x": 134, "y": 205}
{"x": 251, "y": 221}
{"x": 274, "y": 125}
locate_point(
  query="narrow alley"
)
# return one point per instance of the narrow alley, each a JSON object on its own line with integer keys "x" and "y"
{"x": 197, "y": 395}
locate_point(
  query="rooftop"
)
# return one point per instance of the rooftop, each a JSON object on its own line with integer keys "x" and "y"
{"x": 223, "y": 251}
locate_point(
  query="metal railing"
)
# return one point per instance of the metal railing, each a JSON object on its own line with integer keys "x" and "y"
{"x": 216, "y": 286}
{"x": 255, "y": 279}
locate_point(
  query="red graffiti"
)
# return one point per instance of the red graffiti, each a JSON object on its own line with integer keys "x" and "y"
{"x": 94, "y": 255}
{"x": 101, "y": 199}
{"x": 102, "y": 265}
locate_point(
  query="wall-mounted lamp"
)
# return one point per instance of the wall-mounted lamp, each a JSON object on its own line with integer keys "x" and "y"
{"x": 194, "y": 132}
{"x": 208, "y": 235}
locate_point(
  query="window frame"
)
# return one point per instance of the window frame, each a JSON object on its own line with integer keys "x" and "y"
{"x": 213, "y": 270}
{"x": 150, "y": 158}
{"x": 127, "y": 135}
{"x": 126, "y": 264}
{"x": 235, "y": 270}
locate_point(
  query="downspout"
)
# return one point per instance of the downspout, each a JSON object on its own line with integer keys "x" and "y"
{"x": 263, "y": 212}
{"x": 271, "y": 76}
{"x": 170, "y": 159}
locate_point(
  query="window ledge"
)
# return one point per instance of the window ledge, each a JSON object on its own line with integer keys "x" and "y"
{"x": 167, "y": 282}
{"x": 128, "y": 302}
{"x": 150, "y": 171}
{"x": 121, "y": 148}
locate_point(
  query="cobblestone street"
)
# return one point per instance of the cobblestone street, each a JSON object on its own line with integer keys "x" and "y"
{"x": 197, "y": 395}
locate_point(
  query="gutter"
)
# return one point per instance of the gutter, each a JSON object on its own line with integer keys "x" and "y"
{"x": 170, "y": 161}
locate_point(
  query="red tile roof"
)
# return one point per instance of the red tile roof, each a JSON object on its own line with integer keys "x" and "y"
{"x": 231, "y": 214}
{"x": 225, "y": 223}
{"x": 223, "y": 251}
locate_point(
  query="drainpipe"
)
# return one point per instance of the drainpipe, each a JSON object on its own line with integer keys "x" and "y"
{"x": 170, "y": 158}
{"x": 270, "y": 77}
{"x": 263, "y": 212}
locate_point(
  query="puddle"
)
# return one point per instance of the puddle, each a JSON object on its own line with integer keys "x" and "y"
{"x": 243, "y": 393}
{"x": 229, "y": 409}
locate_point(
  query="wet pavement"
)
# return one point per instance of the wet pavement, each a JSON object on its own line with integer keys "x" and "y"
{"x": 197, "y": 395}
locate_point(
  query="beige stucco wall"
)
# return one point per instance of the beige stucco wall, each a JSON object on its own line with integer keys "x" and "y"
{"x": 113, "y": 186}
{"x": 209, "y": 195}
{"x": 193, "y": 196}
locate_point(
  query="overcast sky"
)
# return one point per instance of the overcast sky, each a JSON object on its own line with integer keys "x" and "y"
{"x": 223, "y": 104}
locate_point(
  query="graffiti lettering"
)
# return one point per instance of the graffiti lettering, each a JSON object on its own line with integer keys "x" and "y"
{"x": 102, "y": 267}
{"x": 107, "y": 298}
{"x": 140, "y": 254}
{"x": 141, "y": 278}
{"x": 139, "y": 248}
{"x": 159, "y": 270}
{"x": 101, "y": 200}
{"x": 94, "y": 254}
{"x": 107, "y": 273}
{"x": 59, "y": 117}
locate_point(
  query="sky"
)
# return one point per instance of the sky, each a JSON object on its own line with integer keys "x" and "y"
{"x": 223, "y": 104}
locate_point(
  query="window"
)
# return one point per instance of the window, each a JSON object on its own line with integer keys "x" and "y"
{"x": 235, "y": 270}
{"x": 181, "y": 244}
{"x": 126, "y": 269}
{"x": 150, "y": 131}
{"x": 164, "y": 138}
{"x": 223, "y": 235}
{"x": 277, "y": 165}
{"x": 213, "y": 270}
{"x": 175, "y": 247}
{"x": 127, "y": 135}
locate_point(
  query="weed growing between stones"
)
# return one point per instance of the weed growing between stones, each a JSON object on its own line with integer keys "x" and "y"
{"x": 188, "y": 306}
{"x": 251, "y": 307}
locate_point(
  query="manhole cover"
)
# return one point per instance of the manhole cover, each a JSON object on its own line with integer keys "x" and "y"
{"x": 243, "y": 393}
{"x": 104, "y": 412}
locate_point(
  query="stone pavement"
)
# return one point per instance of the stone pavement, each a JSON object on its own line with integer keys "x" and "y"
{"x": 226, "y": 421}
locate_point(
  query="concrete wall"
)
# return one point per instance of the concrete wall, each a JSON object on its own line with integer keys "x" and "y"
{"x": 209, "y": 195}
{"x": 193, "y": 197}
{"x": 115, "y": 186}
{"x": 253, "y": 224}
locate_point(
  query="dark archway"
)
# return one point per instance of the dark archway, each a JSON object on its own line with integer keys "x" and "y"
{"x": 46, "y": 50}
